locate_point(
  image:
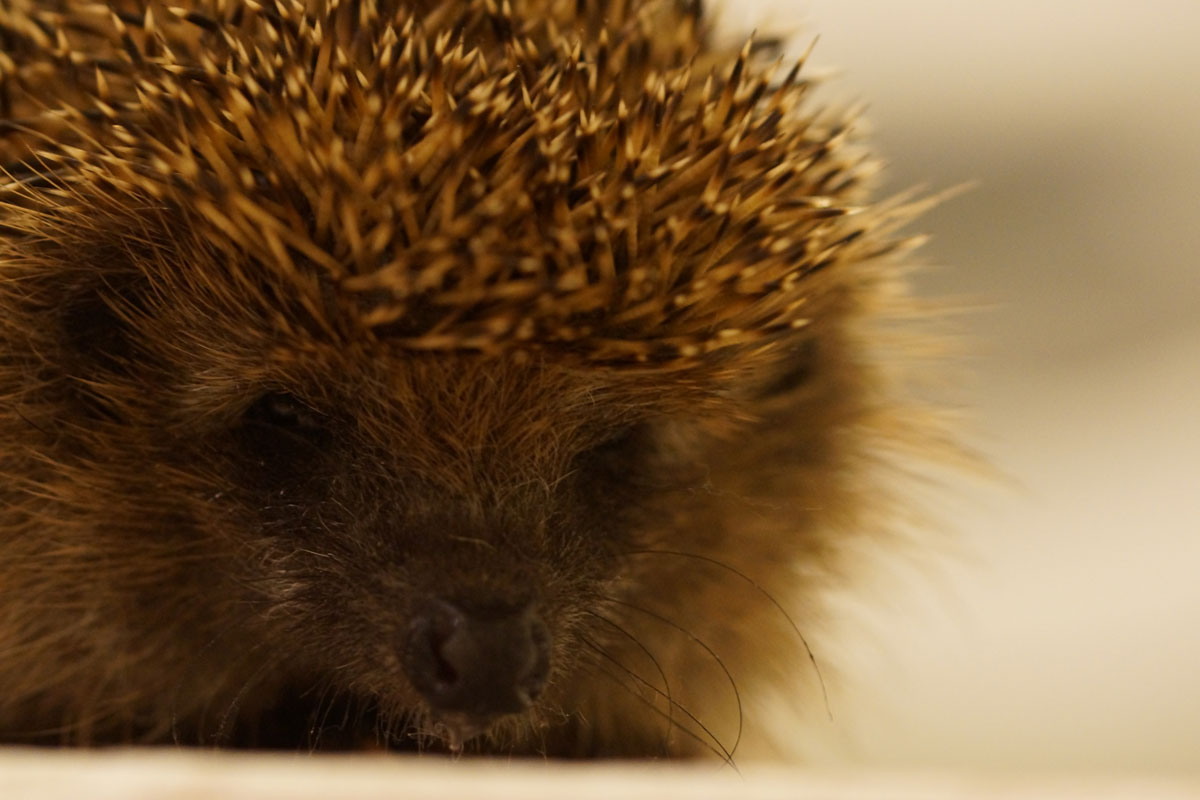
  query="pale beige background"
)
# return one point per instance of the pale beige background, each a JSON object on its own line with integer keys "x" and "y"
{"x": 1070, "y": 639}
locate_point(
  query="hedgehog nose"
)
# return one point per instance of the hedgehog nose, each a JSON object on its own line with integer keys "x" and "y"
{"x": 480, "y": 663}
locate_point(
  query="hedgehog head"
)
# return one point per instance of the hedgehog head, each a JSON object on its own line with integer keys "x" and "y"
{"x": 383, "y": 332}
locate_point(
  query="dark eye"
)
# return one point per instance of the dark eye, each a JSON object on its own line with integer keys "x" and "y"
{"x": 285, "y": 412}
{"x": 617, "y": 457}
{"x": 281, "y": 440}
{"x": 796, "y": 370}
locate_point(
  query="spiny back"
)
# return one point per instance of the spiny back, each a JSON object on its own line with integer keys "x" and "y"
{"x": 586, "y": 177}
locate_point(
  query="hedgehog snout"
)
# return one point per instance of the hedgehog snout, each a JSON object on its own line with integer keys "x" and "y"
{"x": 477, "y": 664}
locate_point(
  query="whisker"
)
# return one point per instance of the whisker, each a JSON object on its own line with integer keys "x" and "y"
{"x": 720, "y": 663}
{"x": 662, "y": 673}
{"x": 390, "y": 726}
{"x": 715, "y": 750}
{"x": 720, "y": 749}
{"x": 771, "y": 598}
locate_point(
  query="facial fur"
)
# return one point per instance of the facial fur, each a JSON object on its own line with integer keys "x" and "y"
{"x": 317, "y": 320}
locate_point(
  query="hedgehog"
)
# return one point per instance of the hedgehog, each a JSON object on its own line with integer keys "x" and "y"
{"x": 498, "y": 376}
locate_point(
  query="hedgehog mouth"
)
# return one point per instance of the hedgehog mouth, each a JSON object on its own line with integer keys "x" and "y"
{"x": 304, "y": 720}
{"x": 455, "y": 730}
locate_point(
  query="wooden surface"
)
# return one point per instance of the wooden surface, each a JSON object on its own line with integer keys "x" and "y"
{"x": 174, "y": 775}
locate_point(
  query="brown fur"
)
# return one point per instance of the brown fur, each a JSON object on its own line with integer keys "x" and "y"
{"x": 555, "y": 301}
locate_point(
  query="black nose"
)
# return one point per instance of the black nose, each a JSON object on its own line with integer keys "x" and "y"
{"x": 483, "y": 663}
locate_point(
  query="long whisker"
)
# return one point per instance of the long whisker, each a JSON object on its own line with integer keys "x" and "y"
{"x": 662, "y": 673}
{"x": 717, "y": 750}
{"x": 720, "y": 748}
{"x": 720, "y": 663}
{"x": 770, "y": 598}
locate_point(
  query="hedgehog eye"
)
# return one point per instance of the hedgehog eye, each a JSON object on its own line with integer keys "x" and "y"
{"x": 94, "y": 325}
{"x": 284, "y": 412}
{"x": 797, "y": 370}
{"x": 619, "y": 441}
{"x": 616, "y": 456}
{"x": 280, "y": 441}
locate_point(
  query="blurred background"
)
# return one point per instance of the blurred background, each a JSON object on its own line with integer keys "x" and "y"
{"x": 1067, "y": 635}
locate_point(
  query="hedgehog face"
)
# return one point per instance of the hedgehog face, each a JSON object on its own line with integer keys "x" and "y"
{"x": 428, "y": 531}
{"x": 442, "y": 532}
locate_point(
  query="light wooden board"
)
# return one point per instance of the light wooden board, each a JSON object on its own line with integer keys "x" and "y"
{"x": 174, "y": 775}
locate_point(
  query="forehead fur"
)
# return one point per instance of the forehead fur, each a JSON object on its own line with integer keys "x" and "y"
{"x": 584, "y": 178}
